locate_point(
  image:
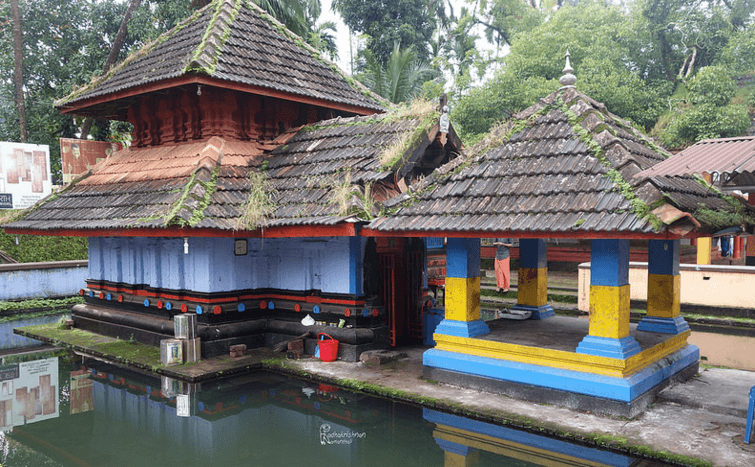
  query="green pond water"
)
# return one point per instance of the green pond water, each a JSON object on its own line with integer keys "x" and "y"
{"x": 60, "y": 409}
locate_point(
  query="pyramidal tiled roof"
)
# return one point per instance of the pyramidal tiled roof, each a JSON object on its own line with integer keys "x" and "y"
{"x": 234, "y": 41}
{"x": 564, "y": 167}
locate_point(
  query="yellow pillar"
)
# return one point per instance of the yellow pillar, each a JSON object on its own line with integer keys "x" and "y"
{"x": 703, "y": 250}
{"x": 451, "y": 459}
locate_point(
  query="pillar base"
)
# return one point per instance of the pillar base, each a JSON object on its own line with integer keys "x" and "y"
{"x": 665, "y": 325}
{"x": 456, "y": 448}
{"x": 538, "y": 312}
{"x": 576, "y": 390}
{"x": 607, "y": 347}
{"x": 451, "y": 327}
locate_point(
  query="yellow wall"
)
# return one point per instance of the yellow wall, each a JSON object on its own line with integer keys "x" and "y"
{"x": 713, "y": 285}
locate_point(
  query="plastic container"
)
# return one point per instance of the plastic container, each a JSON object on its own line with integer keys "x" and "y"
{"x": 328, "y": 348}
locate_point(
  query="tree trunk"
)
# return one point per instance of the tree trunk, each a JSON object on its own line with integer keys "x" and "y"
{"x": 18, "y": 75}
{"x": 120, "y": 38}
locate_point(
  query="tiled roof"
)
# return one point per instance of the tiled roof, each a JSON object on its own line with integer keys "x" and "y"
{"x": 234, "y": 41}
{"x": 321, "y": 171}
{"x": 563, "y": 166}
{"x": 202, "y": 184}
{"x": 206, "y": 184}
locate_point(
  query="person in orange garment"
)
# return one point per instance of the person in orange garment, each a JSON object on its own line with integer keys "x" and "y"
{"x": 502, "y": 264}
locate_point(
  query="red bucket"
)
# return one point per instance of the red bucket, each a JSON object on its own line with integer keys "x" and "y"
{"x": 328, "y": 348}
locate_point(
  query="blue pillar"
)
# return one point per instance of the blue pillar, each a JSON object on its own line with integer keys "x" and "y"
{"x": 532, "y": 282}
{"x": 462, "y": 289}
{"x": 609, "y": 302}
{"x": 664, "y": 289}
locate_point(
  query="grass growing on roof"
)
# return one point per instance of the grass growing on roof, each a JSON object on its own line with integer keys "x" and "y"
{"x": 259, "y": 204}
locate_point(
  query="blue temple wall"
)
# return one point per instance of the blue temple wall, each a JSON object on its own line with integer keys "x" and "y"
{"x": 329, "y": 264}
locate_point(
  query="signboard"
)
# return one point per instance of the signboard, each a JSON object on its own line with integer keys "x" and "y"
{"x": 77, "y": 156}
{"x": 25, "y": 176}
{"x": 28, "y": 392}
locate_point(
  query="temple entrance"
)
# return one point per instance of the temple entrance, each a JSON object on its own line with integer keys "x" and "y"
{"x": 401, "y": 266}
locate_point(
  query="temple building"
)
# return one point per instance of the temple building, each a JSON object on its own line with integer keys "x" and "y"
{"x": 252, "y": 167}
{"x": 263, "y": 186}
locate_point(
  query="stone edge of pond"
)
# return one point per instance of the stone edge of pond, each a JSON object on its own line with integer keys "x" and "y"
{"x": 61, "y": 337}
{"x": 204, "y": 370}
{"x": 598, "y": 440}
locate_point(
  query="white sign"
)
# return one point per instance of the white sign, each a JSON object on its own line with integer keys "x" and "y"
{"x": 28, "y": 392}
{"x": 25, "y": 176}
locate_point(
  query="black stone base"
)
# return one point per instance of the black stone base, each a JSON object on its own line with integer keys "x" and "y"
{"x": 581, "y": 402}
{"x": 217, "y": 339}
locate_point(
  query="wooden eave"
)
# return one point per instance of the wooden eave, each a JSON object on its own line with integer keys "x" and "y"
{"x": 664, "y": 235}
{"x": 85, "y": 107}
{"x": 344, "y": 229}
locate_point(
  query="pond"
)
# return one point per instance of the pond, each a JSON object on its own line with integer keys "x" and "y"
{"x": 58, "y": 408}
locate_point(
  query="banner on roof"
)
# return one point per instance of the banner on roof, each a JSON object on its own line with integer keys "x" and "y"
{"x": 24, "y": 174}
{"x": 79, "y": 155}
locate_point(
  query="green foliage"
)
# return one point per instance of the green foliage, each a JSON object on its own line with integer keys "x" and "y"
{"x": 37, "y": 303}
{"x": 496, "y": 101}
{"x": 604, "y": 44}
{"x": 401, "y": 78}
{"x": 739, "y": 53}
{"x": 695, "y": 123}
{"x": 712, "y": 86}
{"x": 40, "y": 248}
{"x": 385, "y": 23}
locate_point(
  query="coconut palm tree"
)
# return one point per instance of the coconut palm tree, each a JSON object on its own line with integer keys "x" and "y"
{"x": 401, "y": 78}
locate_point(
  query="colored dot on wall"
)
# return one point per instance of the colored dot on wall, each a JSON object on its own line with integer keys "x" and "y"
{"x": 270, "y": 306}
{"x": 168, "y": 306}
{"x": 199, "y": 309}
{"x": 347, "y": 312}
{"x": 316, "y": 309}
{"x": 159, "y": 304}
{"x": 216, "y": 310}
{"x": 184, "y": 308}
{"x": 146, "y": 302}
{"x": 101, "y": 295}
{"x": 120, "y": 298}
{"x": 81, "y": 292}
{"x": 91, "y": 293}
{"x": 297, "y": 308}
{"x": 375, "y": 312}
{"x": 241, "y": 307}
{"x": 263, "y": 304}
{"x": 109, "y": 297}
{"x": 365, "y": 312}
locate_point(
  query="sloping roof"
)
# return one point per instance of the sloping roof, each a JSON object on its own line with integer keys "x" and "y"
{"x": 313, "y": 176}
{"x": 732, "y": 156}
{"x": 201, "y": 184}
{"x": 237, "y": 42}
{"x": 321, "y": 172}
{"x": 564, "y": 167}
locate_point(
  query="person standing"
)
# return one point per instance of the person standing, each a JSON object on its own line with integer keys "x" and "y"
{"x": 502, "y": 264}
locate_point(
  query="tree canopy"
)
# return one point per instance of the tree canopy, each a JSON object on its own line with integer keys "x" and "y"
{"x": 637, "y": 58}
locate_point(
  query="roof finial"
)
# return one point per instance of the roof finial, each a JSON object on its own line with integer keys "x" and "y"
{"x": 568, "y": 80}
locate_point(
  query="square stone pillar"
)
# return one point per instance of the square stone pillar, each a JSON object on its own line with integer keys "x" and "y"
{"x": 664, "y": 285}
{"x": 532, "y": 283}
{"x": 609, "y": 302}
{"x": 462, "y": 289}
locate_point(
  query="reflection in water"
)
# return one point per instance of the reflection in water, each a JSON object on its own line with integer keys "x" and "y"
{"x": 112, "y": 416}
